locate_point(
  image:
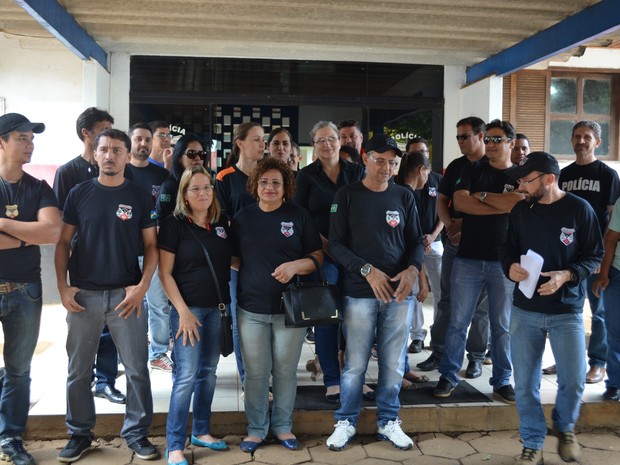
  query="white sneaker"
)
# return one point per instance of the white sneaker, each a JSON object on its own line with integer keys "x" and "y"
{"x": 341, "y": 436}
{"x": 392, "y": 432}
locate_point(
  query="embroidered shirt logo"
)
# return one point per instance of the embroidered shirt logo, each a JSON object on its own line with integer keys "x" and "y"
{"x": 221, "y": 232}
{"x": 392, "y": 218}
{"x": 432, "y": 192}
{"x": 124, "y": 212}
{"x": 333, "y": 208}
{"x": 567, "y": 236}
{"x": 287, "y": 228}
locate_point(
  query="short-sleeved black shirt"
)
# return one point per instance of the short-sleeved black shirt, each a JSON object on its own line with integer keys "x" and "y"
{"x": 191, "y": 271}
{"x": 450, "y": 178}
{"x": 482, "y": 236}
{"x": 166, "y": 202}
{"x": 23, "y": 265}
{"x": 426, "y": 202}
{"x": 149, "y": 177}
{"x": 109, "y": 222}
{"x": 265, "y": 240}
{"x": 70, "y": 174}
{"x": 231, "y": 186}
{"x": 315, "y": 191}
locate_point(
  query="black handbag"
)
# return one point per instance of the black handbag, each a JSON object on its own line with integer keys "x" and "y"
{"x": 226, "y": 332}
{"x": 310, "y": 303}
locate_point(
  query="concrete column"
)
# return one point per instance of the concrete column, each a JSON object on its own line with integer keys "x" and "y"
{"x": 483, "y": 99}
{"x": 96, "y": 85}
{"x": 453, "y": 81}
{"x": 119, "y": 89}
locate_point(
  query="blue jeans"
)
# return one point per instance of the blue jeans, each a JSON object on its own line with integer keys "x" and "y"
{"x": 478, "y": 336}
{"x": 159, "y": 314}
{"x": 268, "y": 347}
{"x": 528, "y": 331}
{"x": 597, "y": 347}
{"x": 362, "y": 319}
{"x": 612, "y": 322}
{"x": 326, "y": 337}
{"x": 235, "y": 330}
{"x": 432, "y": 260}
{"x": 20, "y": 315}
{"x": 469, "y": 277}
{"x": 130, "y": 337}
{"x": 195, "y": 374}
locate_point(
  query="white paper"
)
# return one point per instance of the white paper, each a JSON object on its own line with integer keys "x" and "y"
{"x": 532, "y": 262}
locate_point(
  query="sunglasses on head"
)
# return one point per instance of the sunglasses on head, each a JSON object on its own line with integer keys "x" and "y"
{"x": 192, "y": 154}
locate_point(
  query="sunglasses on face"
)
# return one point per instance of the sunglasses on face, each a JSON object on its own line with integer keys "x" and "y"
{"x": 192, "y": 154}
{"x": 463, "y": 137}
{"x": 495, "y": 139}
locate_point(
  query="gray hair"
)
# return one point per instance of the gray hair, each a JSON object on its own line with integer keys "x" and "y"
{"x": 592, "y": 125}
{"x": 321, "y": 125}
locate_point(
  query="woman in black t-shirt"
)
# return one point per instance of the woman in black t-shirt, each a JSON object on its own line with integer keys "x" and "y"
{"x": 195, "y": 319}
{"x": 273, "y": 237}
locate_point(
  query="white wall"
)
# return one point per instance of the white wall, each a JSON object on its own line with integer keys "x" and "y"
{"x": 453, "y": 80}
{"x": 45, "y": 85}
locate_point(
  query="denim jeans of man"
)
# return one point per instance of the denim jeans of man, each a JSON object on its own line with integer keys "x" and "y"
{"x": 20, "y": 315}
{"x": 195, "y": 374}
{"x": 612, "y": 323}
{"x": 269, "y": 348}
{"x": 235, "y": 330}
{"x": 363, "y": 318}
{"x": 159, "y": 315}
{"x": 326, "y": 337}
{"x": 130, "y": 338}
{"x": 432, "y": 260}
{"x": 478, "y": 336}
{"x": 597, "y": 347}
{"x": 528, "y": 332}
{"x": 469, "y": 277}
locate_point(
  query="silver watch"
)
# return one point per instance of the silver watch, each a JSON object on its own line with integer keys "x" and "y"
{"x": 365, "y": 270}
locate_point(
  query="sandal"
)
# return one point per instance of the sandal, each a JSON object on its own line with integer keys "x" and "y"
{"x": 415, "y": 378}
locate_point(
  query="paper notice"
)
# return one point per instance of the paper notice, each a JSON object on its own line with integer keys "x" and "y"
{"x": 533, "y": 263}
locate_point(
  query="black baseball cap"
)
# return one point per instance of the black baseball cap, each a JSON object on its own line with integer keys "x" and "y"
{"x": 382, "y": 143}
{"x": 535, "y": 161}
{"x": 16, "y": 122}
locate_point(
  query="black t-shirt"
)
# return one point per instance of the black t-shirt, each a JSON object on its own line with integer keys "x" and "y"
{"x": 109, "y": 222}
{"x": 380, "y": 228}
{"x": 265, "y": 240}
{"x": 231, "y": 186}
{"x": 315, "y": 191}
{"x": 191, "y": 271}
{"x": 567, "y": 236}
{"x": 450, "y": 178}
{"x": 483, "y": 235}
{"x": 426, "y": 202}
{"x": 150, "y": 178}
{"x": 596, "y": 183}
{"x": 71, "y": 174}
{"x": 167, "y": 200}
{"x": 23, "y": 265}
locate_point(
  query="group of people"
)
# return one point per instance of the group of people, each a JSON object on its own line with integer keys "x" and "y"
{"x": 147, "y": 229}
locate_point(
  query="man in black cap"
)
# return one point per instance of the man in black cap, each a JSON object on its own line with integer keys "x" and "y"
{"x": 375, "y": 234}
{"x": 563, "y": 229}
{"x": 29, "y": 218}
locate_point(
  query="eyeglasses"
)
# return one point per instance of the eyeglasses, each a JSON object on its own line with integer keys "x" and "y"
{"x": 192, "y": 154}
{"x": 163, "y": 135}
{"x": 463, "y": 137}
{"x": 383, "y": 161}
{"x": 198, "y": 190}
{"x": 331, "y": 140}
{"x": 525, "y": 183}
{"x": 275, "y": 183}
{"x": 495, "y": 139}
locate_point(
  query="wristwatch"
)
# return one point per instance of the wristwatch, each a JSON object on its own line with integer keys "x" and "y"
{"x": 365, "y": 270}
{"x": 483, "y": 196}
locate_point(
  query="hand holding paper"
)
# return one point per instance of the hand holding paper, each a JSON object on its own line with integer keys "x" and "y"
{"x": 532, "y": 262}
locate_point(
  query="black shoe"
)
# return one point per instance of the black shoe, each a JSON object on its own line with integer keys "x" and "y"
{"x": 443, "y": 389}
{"x": 430, "y": 364}
{"x": 507, "y": 393}
{"x": 611, "y": 393}
{"x": 474, "y": 369}
{"x": 416, "y": 346}
{"x": 309, "y": 338}
{"x": 74, "y": 449}
{"x": 13, "y": 451}
{"x": 111, "y": 393}
{"x": 144, "y": 449}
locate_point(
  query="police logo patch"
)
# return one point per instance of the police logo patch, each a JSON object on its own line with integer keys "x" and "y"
{"x": 333, "y": 208}
{"x": 392, "y": 218}
{"x": 124, "y": 212}
{"x": 432, "y": 192}
{"x": 287, "y": 228}
{"x": 221, "y": 232}
{"x": 567, "y": 236}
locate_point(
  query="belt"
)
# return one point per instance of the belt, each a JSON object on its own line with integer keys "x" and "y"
{"x": 6, "y": 288}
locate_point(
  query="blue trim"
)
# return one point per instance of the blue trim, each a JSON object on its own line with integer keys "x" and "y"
{"x": 590, "y": 23}
{"x": 54, "y": 18}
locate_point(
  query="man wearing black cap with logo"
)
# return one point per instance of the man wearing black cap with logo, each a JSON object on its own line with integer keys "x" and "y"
{"x": 563, "y": 229}
{"x": 29, "y": 218}
{"x": 375, "y": 234}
